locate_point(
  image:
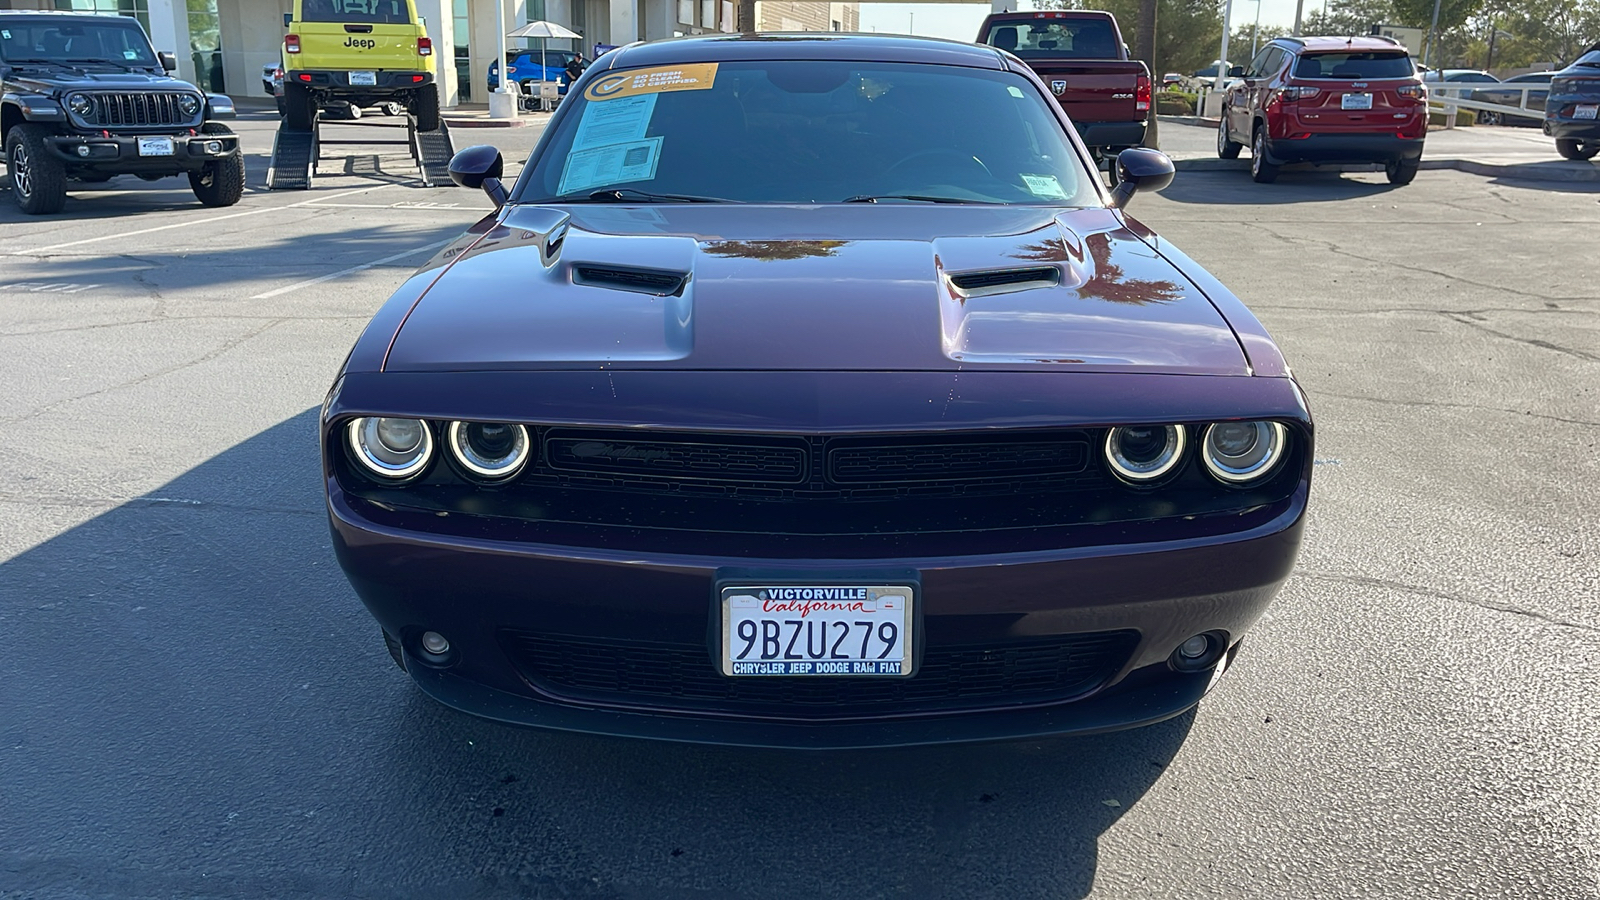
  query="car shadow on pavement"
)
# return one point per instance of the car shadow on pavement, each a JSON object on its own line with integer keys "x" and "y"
{"x": 197, "y": 703}
{"x": 1294, "y": 185}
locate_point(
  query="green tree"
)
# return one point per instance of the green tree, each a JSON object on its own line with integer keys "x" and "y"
{"x": 1354, "y": 17}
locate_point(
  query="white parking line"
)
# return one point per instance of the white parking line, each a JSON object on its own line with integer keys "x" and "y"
{"x": 249, "y": 212}
{"x": 352, "y": 270}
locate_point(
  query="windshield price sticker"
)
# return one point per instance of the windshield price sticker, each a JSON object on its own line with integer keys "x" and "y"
{"x": 697, "y": 77}
{"x": 610, "y": 165}
{"x": 616, "y": 122}
{"x": 1047, "y": 186}
{"x": 817, "y": 630}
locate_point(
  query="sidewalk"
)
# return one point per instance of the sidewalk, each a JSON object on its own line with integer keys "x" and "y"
{"x": 476, "y": 115}
{"x": 1493, "y": 151}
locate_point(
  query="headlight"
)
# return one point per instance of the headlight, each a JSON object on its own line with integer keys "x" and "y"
{"x": 1142, "y": 453}
{"x": 189, "y": 103}
{"x": 80, "y": 104}
{"x": 490, "y": 450}
{"x": 391, "y": 448}
{"x": 1237, "y": 452}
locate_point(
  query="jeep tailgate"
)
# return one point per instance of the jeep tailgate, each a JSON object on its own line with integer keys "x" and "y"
{"x": 357, "y": 46}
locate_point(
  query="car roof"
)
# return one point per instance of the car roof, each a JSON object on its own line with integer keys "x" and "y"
{"x": 802, "y": 46}
{"x": 1532, "y": 76}
{"x": 57, "y": 13}
{"x": 1331, "y": 44}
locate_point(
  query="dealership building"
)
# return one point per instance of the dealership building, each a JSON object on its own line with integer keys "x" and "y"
{"x": 222, "y": 44}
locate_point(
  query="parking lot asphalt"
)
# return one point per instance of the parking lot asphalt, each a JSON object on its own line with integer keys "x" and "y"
{"x": 195, "y": 705}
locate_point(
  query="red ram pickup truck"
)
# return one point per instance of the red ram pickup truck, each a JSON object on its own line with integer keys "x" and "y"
{"x": 1080, "y": 55}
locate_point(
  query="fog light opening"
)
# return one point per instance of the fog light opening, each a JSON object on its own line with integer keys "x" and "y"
{"x": 83, "y": 150}
{"x": 213, "y": 146}
{"x": 434, "y": 646}
{"x": 1200, "y": 652}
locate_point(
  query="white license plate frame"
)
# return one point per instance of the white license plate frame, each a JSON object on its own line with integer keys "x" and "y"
{"x": 363, "y": 79}
{"x": 1359, "y": 102}
{"x": 157, "y": 146}
{"x": 1586, "y": 111}
{"x": 817, "y": 607}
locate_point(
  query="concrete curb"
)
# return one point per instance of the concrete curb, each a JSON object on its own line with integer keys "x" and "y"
{"x": 1552, "y": 171}
{"x": 1191, "y": 120}
{"x": 484, "y": 123}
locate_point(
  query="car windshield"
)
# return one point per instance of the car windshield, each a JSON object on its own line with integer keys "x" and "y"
{"x": 72, "y": 40}
{"x": 1381, "y": 64}
{"x": 1056, "y": 39}
{"x": 1592, "y": 58}
{"x": 368, "y": 12}
{"x": 811, "y": 132}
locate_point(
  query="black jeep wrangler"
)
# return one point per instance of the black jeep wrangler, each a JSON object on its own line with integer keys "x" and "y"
{"x": 84, "y": 98}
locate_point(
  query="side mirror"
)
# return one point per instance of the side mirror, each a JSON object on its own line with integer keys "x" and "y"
{"x": 1140, "y": 169}
{"x": 288, "y": 21}
{"x": 168, "y": 61}
{"x": 481, "y": 167}
{"x": 1236, "y": 72}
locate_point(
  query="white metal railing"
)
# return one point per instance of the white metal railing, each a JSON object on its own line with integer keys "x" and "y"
{"x": 1451, "y": 96}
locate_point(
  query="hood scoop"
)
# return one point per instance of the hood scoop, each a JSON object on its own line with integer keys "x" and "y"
{"x": 627, "y": 278}
{"x": 996, "y": 281}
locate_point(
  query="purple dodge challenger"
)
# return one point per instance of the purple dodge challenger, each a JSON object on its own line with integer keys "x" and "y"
{"x": 815, "y": 392}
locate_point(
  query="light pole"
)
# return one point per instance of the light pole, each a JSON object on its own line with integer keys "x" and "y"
{"x": 1433, "y": 33}
{"x": 1255, "y": 34}
{"x": 1222, "y": 61}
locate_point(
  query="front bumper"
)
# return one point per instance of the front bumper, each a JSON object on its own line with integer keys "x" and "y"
{"x": 119, "y": 153}
{"x": 473, "y": 589}
{"x": 1344, "y": 148}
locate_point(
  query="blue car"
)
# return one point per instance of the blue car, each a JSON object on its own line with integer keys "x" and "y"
{"x": 523, "y": 65}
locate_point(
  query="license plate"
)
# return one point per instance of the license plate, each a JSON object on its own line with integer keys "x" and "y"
{"x": 157, "y": 146}
{"x": 1586, "y": 111}
{"x": 1356, "y": 101}
{"x": 364, "y": 78}
{"x": 817, "y": 630}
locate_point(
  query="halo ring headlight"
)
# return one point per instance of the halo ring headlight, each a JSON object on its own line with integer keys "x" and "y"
{"x": 80, "y": 104}
{"x": 1238, "y": 452}
{"x": 1143, "y": 453}
{"x": 189, "y": 103}
{"x": 391, "y": 448}
{"x": 492, "y": 451}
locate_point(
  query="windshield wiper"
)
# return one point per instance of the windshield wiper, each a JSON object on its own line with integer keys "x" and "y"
{"x": 34, "y": 61}
{"x": 620, "y": 194}
{"x": 121, "y": 64}
{"x": 921, "y": 198}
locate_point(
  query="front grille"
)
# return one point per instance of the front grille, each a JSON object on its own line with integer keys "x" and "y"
{"x": 821, "y": 468}
{"x": 683, "y": 677}
{"x": 716, "y": 458}
{"x": 853, "y": 460}
{"x": 127, "y": 109}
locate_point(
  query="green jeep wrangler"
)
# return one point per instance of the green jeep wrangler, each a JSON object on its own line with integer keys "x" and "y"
{"x": 363, "y": 52}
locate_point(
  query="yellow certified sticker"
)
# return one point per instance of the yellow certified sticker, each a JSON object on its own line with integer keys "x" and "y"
{"x": 696, "y": 77}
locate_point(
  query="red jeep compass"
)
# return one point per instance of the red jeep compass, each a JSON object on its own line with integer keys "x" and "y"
{"x": 1327, "y": 100}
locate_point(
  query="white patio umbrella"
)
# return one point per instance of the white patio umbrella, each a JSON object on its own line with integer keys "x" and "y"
{"x": 542, "y": 30}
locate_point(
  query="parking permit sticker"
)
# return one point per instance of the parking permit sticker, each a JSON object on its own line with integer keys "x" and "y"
{"x": 1044, "y": 186}
{"x": 615, "y": 122}
{"x": 5, "y": 35}
{"x": 130, "y": 54}
{"x": 610, "y": 165}
{"x": 696, "y": 77}
{"x": 1014, "y": 91}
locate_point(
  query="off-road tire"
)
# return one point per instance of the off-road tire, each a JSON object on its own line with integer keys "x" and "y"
{"x": 1401, "y": 171}
{"x": 395, "y": 652}
{"x": 38, "y": 180}
{"x": 1226, "y": 148}
{"x": 425, "y": 107}
{"x": 300, "y": 108}
{"x": 221, "y": 182}
{"x": 1261, "y": 170}
{"x": 1575, "y": 149}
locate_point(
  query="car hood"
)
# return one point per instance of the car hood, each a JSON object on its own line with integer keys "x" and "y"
{"x": 860, "y": 287}
{"x": 79, "y": 80}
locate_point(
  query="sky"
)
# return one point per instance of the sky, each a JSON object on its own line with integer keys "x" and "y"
{"x": 960, "y": 21}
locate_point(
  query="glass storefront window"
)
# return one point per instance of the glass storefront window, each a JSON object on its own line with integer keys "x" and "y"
{"x": 205, "y": 45}
{"x": 461, "y": 24}
{"x": 137, "y": 9}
